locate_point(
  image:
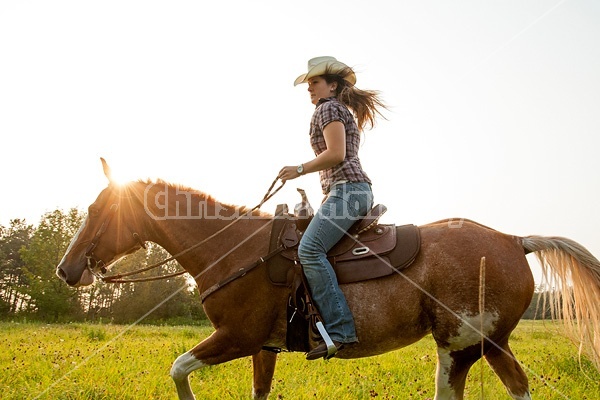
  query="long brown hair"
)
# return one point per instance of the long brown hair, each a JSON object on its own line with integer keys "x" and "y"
{"x": 365, "y": 104}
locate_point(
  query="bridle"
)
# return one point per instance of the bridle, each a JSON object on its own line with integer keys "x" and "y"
{"x": 89, "y": 252}
{"x": 97, "y": 266}
{"x": 95, "y": 263}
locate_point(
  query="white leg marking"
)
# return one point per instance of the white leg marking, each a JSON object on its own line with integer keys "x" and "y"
{"x": 443, "y": 389}
{"x": 468, "y": 334}
{"x": 526, "y": 396}
{"x": 256, "y": 397}
{"x": 182, "y": 367}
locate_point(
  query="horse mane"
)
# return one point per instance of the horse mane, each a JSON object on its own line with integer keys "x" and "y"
{"x": 236, "y": 209}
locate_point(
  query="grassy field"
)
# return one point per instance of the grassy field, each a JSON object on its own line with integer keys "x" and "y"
{"x": 82, "y": 361}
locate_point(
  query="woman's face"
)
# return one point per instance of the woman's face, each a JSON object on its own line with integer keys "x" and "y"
{"x": 320, "y": 89}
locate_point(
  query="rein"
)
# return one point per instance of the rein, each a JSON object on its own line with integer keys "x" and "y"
{"x": 118, "y": 278}
{"x": 238, "y": 274}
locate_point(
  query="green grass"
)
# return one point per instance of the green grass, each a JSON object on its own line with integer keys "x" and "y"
{"x": 84, "y": 361}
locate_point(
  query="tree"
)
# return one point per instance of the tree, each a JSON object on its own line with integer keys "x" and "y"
{"x": 28, "y": 284}
{"x": 539, "y": 308}
{"x": 50, "y": 298}
{"x": 155, "y": 301}
{"x": 12, "y": 277}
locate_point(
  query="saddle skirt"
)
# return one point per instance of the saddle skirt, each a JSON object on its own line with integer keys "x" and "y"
{"x": 369, "y": 250}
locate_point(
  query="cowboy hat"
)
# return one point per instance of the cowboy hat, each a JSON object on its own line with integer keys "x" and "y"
{"x": 321, "y": 65}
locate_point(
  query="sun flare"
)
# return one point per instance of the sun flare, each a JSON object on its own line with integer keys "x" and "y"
{"x": 123, "y": 178}
{"x": 120, "y": 173}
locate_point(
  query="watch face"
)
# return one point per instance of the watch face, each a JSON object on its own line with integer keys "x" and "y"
{"x": 300, "y": 169}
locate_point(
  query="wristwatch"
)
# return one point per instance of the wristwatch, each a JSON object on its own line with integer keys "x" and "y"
{"x": 300, "y": 169}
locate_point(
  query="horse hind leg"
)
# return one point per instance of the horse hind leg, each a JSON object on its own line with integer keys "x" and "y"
{"x": 263, "y": 365}
{"x": 508, "y": 369}
{"x": 452, "y": 370}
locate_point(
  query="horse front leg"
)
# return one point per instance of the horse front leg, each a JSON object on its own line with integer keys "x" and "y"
{"x": 216, "y": 349}
{"x": 263, "y": 364}
{"x": 181, "y": 369}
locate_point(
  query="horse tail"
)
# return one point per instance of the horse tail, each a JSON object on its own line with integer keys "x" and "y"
{"x": 574, "y": 274}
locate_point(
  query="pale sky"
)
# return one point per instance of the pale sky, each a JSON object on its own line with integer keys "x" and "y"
{"x": 494, "y": 105}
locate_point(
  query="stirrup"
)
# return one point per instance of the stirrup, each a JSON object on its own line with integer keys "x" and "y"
{"x": 331, "y": 349}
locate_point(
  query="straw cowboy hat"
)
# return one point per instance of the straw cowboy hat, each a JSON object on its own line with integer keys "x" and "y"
{"x": 321, "y": 65}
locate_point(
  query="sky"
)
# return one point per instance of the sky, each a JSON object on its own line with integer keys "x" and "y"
{"x": 493, "y": 106}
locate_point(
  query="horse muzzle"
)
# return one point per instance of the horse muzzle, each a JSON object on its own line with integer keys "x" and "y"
{"x": 75, "y": 275}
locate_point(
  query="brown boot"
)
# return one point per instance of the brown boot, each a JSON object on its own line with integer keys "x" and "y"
{"x": 321, "y": 351}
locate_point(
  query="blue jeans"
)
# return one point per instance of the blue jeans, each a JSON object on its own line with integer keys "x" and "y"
{"x": 345, "y": 203}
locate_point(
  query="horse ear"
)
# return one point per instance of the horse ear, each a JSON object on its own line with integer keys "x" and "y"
{"x": 106, "y": 169}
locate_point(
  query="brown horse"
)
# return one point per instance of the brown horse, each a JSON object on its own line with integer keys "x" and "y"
{"x": 438, "y": 294}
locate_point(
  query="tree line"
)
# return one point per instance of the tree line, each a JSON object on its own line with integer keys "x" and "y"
{"x": 30, "y": 290}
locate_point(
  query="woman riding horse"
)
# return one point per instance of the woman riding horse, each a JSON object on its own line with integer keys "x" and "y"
{"x": 335, "y": 139}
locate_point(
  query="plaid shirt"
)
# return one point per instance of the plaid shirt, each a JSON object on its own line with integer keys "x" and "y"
{"x": 350, "y": 170}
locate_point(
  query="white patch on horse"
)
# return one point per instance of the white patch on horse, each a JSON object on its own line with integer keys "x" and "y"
{"x": 471, "y": 330}
{"x": 184, "y": 365}
{"x": 526, "y": 396}
{"x": 443, "y": 388}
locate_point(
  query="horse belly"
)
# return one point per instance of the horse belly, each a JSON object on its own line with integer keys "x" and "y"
{"x": 387, "y": 314}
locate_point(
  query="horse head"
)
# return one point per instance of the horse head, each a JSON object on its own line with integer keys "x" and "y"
{"x": 108, "y": 233}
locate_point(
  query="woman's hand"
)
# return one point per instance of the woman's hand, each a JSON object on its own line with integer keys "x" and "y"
{"x": 288, "y": 173}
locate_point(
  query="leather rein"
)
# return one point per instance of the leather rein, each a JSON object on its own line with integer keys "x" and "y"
{"x": 118, "y": 278}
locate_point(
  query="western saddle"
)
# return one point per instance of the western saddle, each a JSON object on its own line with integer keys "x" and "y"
{"x": 369, "y": 250}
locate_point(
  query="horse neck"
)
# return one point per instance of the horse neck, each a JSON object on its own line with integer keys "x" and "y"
{"x": 179, "y": 219}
